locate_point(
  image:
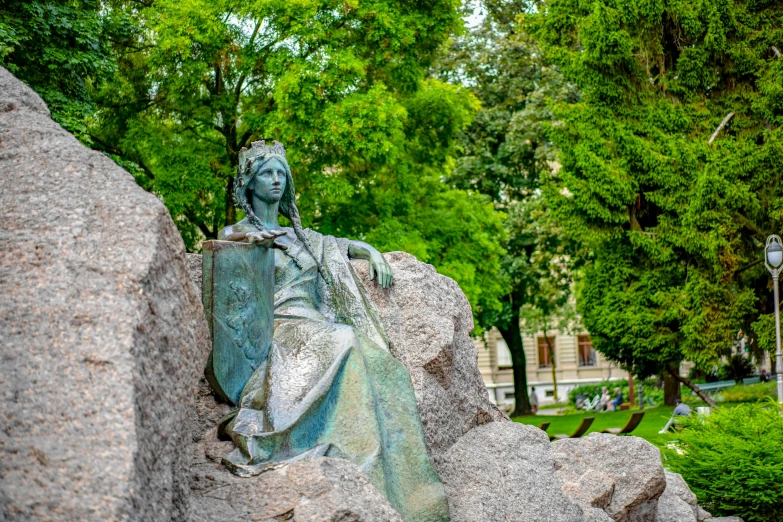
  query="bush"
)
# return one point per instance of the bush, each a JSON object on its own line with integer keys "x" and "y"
{"x": 591, "y": 390}
{"x": 748, "y": 393}
{"x": 733, "y": 460}
{"x": 737, "y": 368}
{"x": 652, "y": 395}
{"x": 649, "y": 390}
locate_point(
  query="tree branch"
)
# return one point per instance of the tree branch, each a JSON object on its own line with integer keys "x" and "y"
{"x": 720, "y": 127}
{"x": 117, "y": 152}
{"x": 687, "y": 382}
{"x": 244, "y": 138}
{"x": 209, "y": 234}
{"x": 749, "y": 266}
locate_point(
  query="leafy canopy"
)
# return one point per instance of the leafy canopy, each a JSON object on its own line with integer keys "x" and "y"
{"x": 343, "y": 85}
{"x": 675, "y": 223}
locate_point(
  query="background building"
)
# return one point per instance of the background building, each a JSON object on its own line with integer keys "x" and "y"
{"x": 576, "y": 362}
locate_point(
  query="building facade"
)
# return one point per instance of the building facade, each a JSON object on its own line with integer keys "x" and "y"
{"x": 575, "y": 362}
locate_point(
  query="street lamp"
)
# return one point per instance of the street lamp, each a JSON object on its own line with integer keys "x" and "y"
{"x": 773, "y": 259}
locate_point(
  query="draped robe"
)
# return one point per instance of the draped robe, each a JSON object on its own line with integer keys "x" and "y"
{"x": 328, "y": 386}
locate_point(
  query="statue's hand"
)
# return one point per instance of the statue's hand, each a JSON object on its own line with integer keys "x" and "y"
{"x": 267, "y": 238}
{"x": 379, "y": 267}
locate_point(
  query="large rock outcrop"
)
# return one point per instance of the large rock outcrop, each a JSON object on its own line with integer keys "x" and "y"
{"x": 678, "y": 503}
{"x": 504, "y": 471}
{"x": 103, "y": 338}
{"x": 621, "y": 475}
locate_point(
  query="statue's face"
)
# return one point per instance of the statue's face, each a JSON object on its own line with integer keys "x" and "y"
{"x": 269, "y": 182}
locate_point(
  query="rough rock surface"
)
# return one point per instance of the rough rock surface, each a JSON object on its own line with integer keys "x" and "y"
{"x": 726, "y": 519}
{"x": 504, "y": 471}
{"x": 677, "y": 503}
{"x": 194, "y": 268}
{"x": 702, "y": 514}
{"x": 102, "y": 336}
{"x": 428, "y": 321}
{"x": 621, "y": 475}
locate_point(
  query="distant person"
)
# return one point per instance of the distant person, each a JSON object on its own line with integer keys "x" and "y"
{"x": 533, "y": 400}
{"x": 681, "y": 410}
{"x": 604, "y": 400}
{"x": 618, "y": 399}
{"x": 764, "y": 377}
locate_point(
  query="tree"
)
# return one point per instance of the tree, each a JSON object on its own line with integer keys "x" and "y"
{"x": 343, "y": 85}
{"x": 61, "y": 48}
{"x": 548, "y": 306}
{"x": 672, "y": 195}
{"x": 507, "y": 157}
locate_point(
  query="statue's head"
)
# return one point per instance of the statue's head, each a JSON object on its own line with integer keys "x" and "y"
{"x": 260, "y": 169}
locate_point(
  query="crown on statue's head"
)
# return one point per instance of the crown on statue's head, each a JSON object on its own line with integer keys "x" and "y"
{"x": 259, "y": 149}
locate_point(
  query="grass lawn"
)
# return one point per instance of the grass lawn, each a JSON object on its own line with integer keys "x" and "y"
{"x": 654, "y": 420}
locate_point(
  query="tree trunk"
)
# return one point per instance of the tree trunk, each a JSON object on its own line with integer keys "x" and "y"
{"x": 631, "y": 391}
{"x": 513, "y": 337}
{"x": 231, "y": 212}
{"x": 706, "y": 398}
{"x": 671, "y": 390}
{"x": 551, "y": 350}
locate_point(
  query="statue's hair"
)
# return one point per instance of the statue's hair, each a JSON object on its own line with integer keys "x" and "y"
{"x": 250, "y": 163}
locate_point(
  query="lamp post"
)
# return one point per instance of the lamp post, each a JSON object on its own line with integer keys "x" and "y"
{"x": 773, "y": 259}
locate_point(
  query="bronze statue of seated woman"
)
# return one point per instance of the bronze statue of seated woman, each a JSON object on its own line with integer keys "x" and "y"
{"x": 326, "y": 383}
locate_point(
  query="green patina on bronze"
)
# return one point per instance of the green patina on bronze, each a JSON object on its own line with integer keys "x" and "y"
{"x": 238, "y": 288}
{"x": 326, "y": 384}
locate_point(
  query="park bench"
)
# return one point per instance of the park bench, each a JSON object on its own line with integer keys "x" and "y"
{"x": 720, "y": 385}
{"x": 633, "y": 421}
{"x": 581, "y": 430}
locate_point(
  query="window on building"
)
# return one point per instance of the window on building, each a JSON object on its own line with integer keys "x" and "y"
{"x": 586, "y": 351}
{"x": 504, "y": 355}
{"x": 544, "y": 361}
{"x": 509, "y": 395}
{"x": 550, "y": 393}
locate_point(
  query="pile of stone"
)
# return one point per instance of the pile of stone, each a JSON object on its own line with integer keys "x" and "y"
{"x": 105, "y": 414}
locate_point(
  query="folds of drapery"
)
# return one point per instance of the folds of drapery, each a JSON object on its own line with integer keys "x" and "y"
{"x": 330, "y": 387}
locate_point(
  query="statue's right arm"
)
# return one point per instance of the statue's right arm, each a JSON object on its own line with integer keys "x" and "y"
{"x": 264, "y": 238}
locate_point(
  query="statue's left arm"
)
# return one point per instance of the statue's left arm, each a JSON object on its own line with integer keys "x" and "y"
{"x": 378, "y": 265}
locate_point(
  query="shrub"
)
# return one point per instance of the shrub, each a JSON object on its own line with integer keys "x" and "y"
{"x": 652, "y": 395}
{"x": 591, "y": 390}
{"x": 737, "y": 368}
{"x": 733, "y": 460}
{"x": 649, "y": 390}
{"x": 747, "y": 393}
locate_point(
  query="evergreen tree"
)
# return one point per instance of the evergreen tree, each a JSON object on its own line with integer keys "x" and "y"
{"x": 668, "y": 172}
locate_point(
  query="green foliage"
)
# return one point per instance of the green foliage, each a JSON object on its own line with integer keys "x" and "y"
{"x": 506, "y": 156}
{"x": 650, "y": 392}
{"x": 342, "y": 85}
{"x": 676, "y": 224}
{"x": 173, "y": 89}
{"x": 61, "y": 49}
{"x": 736, "y": 368}
{"x": 591, "y": 390}
{"x": 732, "y": 460}
{"x": 748, "y": 393}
